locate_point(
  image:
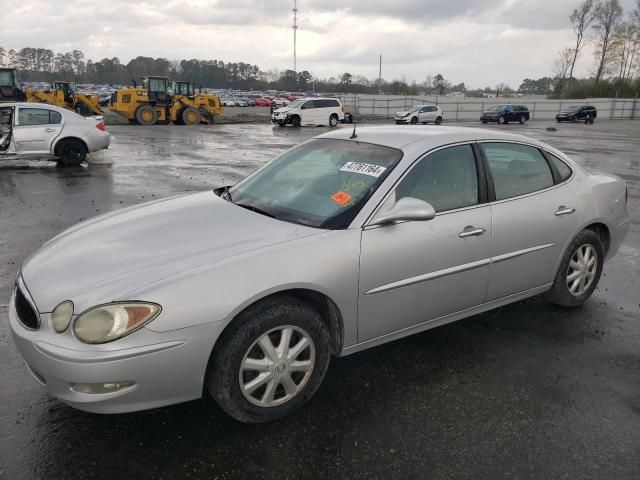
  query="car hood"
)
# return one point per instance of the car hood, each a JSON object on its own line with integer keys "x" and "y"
{"x": 104, "y": 258}
{"x": 282, "y": 110}
{"x": 492, "y": 112}
{"x": 567, "y": 112}
{"x": 403, "y": 113}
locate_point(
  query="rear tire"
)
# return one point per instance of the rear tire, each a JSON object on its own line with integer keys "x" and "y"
{"x": 438, "y": 120}
{"x": 578, "y": 275}
{"x": 146, "y": 115}
{"x": 333, "y": 120}
{"x": 71, "y": 152}
{"x": 522, "y": 120}
{"x": 287, "y": 384}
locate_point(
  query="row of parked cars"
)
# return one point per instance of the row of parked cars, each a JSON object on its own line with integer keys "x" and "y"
{"x": 501, "y": 114}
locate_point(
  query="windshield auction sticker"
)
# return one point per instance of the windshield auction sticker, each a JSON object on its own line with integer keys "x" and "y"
{"x": 341, "y": 198}
{"x": 364, "y": 168}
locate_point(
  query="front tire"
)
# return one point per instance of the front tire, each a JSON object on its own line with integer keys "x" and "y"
{"x": 295, "y": 121}
{"x": 270, "y": 361}
{"x": 71, "y": 152}
{"x": 579, "y": 271}
{"x": 414, "y": 120}
{"x": 502, "y": 120}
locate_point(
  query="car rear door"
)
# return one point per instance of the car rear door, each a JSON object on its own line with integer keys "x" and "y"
{"x": 35, "y": 129}
{"x": 533, "y": 218}
{"x": 416, "y": 272}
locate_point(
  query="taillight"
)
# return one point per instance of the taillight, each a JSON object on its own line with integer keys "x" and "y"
{"x": 100, "y": 126}
{"x": 342, "y": 109}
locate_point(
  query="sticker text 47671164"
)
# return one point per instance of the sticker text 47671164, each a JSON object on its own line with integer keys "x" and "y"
{"x": 364, "y": 168}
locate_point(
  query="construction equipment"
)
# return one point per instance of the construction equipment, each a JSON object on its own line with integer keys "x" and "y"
{"x": 9, "y": 86}
{"x": 186, "y": 98}
{"x": 154, "y": 103}
{"x": 62, "y": 95}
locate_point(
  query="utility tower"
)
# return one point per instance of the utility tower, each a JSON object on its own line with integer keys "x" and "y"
{"x": 295, "y": 31}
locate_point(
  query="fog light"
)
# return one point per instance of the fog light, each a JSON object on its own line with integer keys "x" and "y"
{"x": 96, "y": 388}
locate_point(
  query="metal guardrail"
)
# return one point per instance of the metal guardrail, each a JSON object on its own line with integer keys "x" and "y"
{"x": 470, "y": 109}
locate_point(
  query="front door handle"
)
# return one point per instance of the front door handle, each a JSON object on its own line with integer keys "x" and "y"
{"x": 49, "y": 130}
{"x": 471, "y": 232}
{"x": 562, "y": 210}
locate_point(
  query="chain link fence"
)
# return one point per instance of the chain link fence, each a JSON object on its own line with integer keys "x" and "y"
{"x": 466, "y": 109}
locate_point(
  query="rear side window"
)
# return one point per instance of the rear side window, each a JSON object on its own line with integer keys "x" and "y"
{"x": 38, "y": 116}
{"x": 517, "y": 169}
{"x": 447, "y": 179}
{"x": 563, "y": 169}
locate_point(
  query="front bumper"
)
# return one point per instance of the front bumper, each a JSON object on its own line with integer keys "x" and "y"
{"x": 162, "y": 368}
{"x": 489, "y": 118}
{"x": 401, "y": 120}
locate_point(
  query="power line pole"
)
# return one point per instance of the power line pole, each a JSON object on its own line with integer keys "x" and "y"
{"x": 380, "y": 76}
{"x": 295, "y": 31}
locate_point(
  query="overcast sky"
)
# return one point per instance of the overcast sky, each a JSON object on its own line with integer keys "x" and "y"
{"x": 479, "y": 42}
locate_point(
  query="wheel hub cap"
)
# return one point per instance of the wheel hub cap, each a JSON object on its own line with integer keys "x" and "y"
{"x": 277, "y": 366}
{"x": 582, "y": 270}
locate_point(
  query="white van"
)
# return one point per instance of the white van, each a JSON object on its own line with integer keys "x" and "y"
{"x": 310, "y": 111}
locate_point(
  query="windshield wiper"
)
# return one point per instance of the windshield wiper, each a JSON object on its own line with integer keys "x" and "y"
{"x": 256, "y": 209}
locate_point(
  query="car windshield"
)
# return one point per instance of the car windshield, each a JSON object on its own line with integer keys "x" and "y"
{"x": 573, "y": 108}
{"x": 496, "y": 108}
{"x": 296, "y": 103}
{"x": 415, "y": 108}
{"x": 322, "y": 183}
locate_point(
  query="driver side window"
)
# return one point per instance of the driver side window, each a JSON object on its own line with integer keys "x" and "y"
{"x": 447, "y": 179}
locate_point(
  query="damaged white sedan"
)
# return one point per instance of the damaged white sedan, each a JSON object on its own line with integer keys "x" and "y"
{"x": 36, "y": 130}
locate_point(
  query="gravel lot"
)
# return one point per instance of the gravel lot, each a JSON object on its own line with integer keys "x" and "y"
{"x": 527, "y": 391}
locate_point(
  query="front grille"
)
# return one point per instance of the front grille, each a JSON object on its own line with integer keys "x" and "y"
{"x": 26, "y": 314}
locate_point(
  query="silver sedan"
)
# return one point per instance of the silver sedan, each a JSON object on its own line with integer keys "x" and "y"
{"x": 35, "y": 129}
{"x": 348, "y": 241}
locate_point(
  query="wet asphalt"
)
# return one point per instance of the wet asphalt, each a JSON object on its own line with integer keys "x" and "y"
{"x": 527, "y": 391}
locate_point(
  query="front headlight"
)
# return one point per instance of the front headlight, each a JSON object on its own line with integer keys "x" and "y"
{"x": 107, "y": 323}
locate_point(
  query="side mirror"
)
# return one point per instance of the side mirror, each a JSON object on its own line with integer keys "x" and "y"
{"x": 406, "y": 209}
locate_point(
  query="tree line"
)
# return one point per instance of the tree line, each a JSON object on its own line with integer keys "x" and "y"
{"x": 601, "y": 23}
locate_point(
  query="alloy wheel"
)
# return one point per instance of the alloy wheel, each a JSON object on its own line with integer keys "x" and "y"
{"x": 582, "y": 269}
{"x": 277, "y": 366}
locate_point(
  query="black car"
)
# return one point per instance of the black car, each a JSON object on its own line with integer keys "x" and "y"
{"x": 573, "y": 113}
{"x": 505, "y": 114}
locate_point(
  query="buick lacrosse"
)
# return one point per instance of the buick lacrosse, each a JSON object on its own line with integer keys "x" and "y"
{"x": 350, "y": 240}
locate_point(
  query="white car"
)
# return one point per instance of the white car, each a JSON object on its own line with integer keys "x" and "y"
{"x": 310, "y": 111}
{"x": 420, "y": 114}
{"x": 280, "y": 102}
{"x": 28, "y": 129}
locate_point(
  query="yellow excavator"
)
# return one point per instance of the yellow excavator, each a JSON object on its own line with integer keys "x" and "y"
{"x": 154, "y": 103}
{"x": 63, "y": 95}
{"x": 9, "y": 86}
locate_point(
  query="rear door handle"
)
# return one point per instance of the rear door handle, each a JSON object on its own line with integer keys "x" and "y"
{"x": 562, "y": 210}
{"x": 471, "y": 232}
{"x": 49, "y": 130}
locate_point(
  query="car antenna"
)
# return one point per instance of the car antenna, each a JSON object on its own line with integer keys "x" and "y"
{"x": 353, "y": 135}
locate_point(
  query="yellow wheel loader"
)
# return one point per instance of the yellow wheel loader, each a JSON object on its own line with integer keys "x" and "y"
{"x": 152, "y": 103}
{"x": 188, "y": 101}
{"x": 9, "y": 86}
{"x": 62, "y": 95}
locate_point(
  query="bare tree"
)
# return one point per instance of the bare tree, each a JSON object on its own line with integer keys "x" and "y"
{"x": 607, "y": 17}
{"x": 581, "y": 19}
{"x": 561, "y": 68}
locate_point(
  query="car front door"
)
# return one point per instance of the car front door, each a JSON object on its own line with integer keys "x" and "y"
{"x": 415, "y": 272}
{"x": 423, "y": 114}
{"x": 35, "y": 129}
{"x": 309, "y": 113}
{"x": 533, "y": 218}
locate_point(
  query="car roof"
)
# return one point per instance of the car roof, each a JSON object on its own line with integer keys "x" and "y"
{"x": 428, "y": 137}
{"x": 34, "y": 105}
